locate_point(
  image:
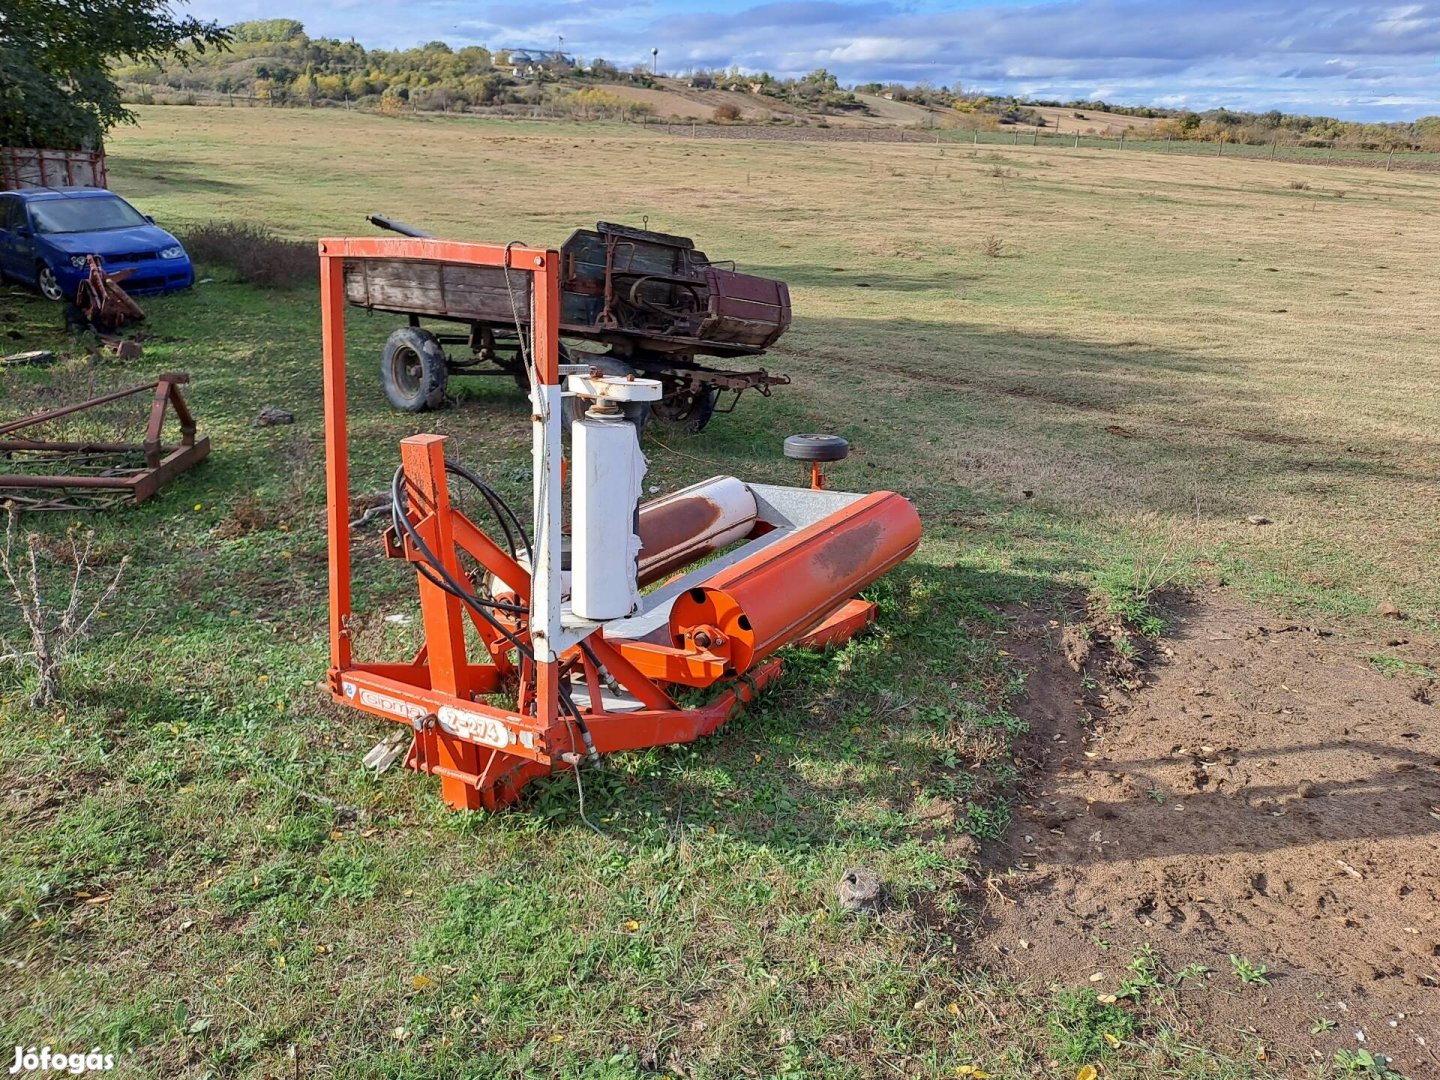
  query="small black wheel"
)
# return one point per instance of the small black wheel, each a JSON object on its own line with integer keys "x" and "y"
{"x": 637, "y": 412}
{"x": 412, "y": 370}
{"x": 816, "y": 448}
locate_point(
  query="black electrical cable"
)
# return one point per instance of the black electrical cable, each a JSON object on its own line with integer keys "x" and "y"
{"x": 401, "y": 518}
{"x": 399, "y": 506}
{"x": 498, "y": 506}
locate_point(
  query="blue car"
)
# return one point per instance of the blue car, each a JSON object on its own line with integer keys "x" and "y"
{"x": 46, "y": 233}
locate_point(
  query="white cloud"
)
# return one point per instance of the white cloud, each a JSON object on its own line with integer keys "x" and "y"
{"x": 1243, "y": 53}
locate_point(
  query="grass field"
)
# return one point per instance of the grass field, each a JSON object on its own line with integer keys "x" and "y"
{"x": 198, "y": 875}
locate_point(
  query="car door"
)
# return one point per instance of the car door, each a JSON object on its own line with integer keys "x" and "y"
{"x": 9, "y": 242}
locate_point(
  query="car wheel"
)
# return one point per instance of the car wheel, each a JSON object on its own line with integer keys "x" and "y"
{"x": 413, "y": 371}
{"x": 48, "y": 283}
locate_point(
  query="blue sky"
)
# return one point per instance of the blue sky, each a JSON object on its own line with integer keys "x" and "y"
{"x": 1377, "y": 61}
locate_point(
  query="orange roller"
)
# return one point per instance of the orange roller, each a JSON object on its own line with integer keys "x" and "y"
{"x": 751, "y": 609}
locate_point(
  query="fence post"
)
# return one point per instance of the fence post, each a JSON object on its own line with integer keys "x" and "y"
{"x": 1122, "y": 140}
{"x": 1273, "y": 144}
{"x": 1219, "y": 147}
{"x": 1389, "y": 159}
{"x": 1077, "y": 140}
{"x": 976, "y": 141}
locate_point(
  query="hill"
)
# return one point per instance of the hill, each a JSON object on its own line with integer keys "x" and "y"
{"x": 276, "y": 63}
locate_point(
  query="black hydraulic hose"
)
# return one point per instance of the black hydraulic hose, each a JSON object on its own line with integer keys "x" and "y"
{"x": 401, "y": 519}
{"x": 498, "y": 506}
{"x": 447, "y": 582}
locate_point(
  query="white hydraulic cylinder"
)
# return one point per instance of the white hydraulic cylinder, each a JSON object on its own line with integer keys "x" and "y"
{"x": 608, "y": 473}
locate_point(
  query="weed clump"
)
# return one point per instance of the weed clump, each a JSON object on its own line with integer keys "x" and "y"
{"x": 992, "y": 247}
{"x": 1297, "y": 185}
{"x": 256, "y": 254}
{"x": 1085, "y": 1028}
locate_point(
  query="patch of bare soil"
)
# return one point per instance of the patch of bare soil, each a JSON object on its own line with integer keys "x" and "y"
{"x": 1261, "y": 791}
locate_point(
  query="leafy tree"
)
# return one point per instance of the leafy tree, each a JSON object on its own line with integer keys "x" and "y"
{"x": 55, "y": 84}
{"x": 268, "y": 30}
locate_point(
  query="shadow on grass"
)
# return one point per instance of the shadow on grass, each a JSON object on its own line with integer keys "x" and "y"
{"x": 901, "y": 736}
{"x": 167, "y": 176}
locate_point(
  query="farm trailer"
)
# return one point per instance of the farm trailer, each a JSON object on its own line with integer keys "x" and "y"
{"x": 654, "y": 300}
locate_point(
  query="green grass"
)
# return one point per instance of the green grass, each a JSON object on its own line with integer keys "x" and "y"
{"x": 206, "y": 881}
{"x": 1393, "y": 665}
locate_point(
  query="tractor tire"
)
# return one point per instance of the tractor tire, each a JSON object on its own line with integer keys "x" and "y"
{"x": 637, "y": 412}
{"x": 413, "y": 370}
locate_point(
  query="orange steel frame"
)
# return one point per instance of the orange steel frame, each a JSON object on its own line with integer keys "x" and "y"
{"x": 483, "y": 753}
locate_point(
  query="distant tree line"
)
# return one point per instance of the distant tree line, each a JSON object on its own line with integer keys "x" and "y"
{"x": 275, "y": 61}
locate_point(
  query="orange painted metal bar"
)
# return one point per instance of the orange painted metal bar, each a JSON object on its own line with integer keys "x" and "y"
{"x": 628, "y": 675}
{"x": 524, "y": 736}
{"x": 482, "y": 678}
{"x": 427, "y": 249}
{"x": 489, "y": 554}
{"x": 337, "y": 458}
{"x": 665, "y": 663}
{"x": 545, "y": 339}
{"x": 643, "y": 728}
{"x": 423, "y": 459}
{"x": 840, "y": 625}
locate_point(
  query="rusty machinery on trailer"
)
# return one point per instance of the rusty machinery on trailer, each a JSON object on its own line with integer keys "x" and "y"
{"x": 84, "y": 474}
{"x": 540, "y": 649}
{"x": 653, "y": 299}
{"x": 102, "y": 302}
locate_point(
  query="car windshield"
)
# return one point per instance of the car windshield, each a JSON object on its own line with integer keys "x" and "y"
{"x": 83, "y": 215}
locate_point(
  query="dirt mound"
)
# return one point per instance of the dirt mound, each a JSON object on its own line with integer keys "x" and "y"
{"x": 1266, "y": 794}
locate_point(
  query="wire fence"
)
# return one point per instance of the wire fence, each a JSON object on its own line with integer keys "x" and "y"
{"x": 1275, "y": 151}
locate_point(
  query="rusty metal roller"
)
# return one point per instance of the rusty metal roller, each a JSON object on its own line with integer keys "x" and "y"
{"x": 749, "y": 610}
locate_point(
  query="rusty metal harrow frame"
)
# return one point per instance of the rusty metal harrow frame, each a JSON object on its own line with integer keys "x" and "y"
{"x": 114, "y": 471}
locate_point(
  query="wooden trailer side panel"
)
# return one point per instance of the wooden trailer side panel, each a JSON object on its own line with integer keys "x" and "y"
{"x": 439, "y": 289}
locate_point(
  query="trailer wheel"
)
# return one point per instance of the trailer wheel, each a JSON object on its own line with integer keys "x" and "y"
{"x": 688, "y": 411}
{"x": 637, "y": 412}
{"x": 412, "y": 370}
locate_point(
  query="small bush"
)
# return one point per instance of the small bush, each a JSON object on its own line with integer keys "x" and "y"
{"x": 992, "y": 246}
{"x": 257, "y": 255}
{"x": 727, "y": 113}
{"x": 1298, "y": 185}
